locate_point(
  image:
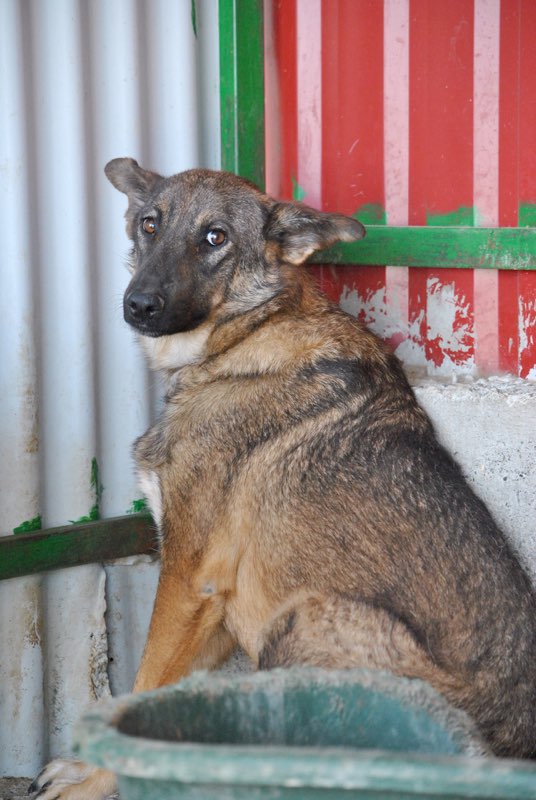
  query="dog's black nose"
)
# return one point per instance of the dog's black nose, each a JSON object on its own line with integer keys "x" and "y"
{"x": 142, "y": 306}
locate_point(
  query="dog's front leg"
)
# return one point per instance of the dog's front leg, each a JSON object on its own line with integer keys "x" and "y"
{"x": 186, "y": 632}
{"x": 73, "y": 780}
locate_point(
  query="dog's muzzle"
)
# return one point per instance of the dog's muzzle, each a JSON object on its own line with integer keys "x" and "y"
{"x": 142, "y": 309}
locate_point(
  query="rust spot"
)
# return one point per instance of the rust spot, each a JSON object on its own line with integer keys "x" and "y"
{"x": 32, "y": 444}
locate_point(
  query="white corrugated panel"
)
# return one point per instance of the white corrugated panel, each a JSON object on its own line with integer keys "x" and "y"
{"x": 80, "y": 83}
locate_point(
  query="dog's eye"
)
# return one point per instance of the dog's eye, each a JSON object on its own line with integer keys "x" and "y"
{"x": 149, "y": 225}
{"x": 216, "y": 237}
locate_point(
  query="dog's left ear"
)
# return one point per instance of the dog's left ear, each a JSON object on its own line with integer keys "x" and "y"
{"x": 300, "y": 230}
{"x": 128, "y": 177}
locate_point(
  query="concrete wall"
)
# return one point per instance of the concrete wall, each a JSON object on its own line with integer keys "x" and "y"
{"x": 489, "y": 425}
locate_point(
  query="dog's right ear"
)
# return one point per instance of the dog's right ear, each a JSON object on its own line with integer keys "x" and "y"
{"x": 137, "y": 183}
{"x": 298, "y": 230}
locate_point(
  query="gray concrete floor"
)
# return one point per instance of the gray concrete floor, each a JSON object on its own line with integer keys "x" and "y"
{"x": 14, "y": 788}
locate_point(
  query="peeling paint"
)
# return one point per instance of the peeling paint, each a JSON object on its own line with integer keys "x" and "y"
{"x": 527, "y": 337}
{"x": 527, "y": 215}
{"x": 29, "y": 525}
{"x": 76, "y": 663}
{"x": 33, "y": 614}
{"x": 464, "y": 215}
{"x": 448, "y": 342}
{"x": 138, "y": 506}
{"x": 298, "y": 193}
{"x": 98, "y": 664}
{"x": 439, "y": 340}
{"x": 21, "y": 665}
{"x": 194, "y": 18}
{"x": 98, "y": 488}
{"x": 371, "y": 214}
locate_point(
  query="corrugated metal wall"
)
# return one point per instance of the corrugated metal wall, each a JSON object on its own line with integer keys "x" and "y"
{"x": 80, "y": 83}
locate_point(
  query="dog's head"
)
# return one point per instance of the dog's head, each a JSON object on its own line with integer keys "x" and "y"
{"x": 210, "y": 245}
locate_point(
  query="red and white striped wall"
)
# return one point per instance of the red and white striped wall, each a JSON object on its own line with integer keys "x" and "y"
{"x": 414, "y": 112}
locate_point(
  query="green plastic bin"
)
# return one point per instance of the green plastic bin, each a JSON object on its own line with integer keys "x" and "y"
{"x": 296, "y": 734}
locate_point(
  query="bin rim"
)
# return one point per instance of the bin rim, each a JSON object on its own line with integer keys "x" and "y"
{"x": 98, "y": 741}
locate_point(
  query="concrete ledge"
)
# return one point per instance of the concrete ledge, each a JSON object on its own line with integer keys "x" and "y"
{"x": 489, "y": 426}
{"x": 14, "y": 788}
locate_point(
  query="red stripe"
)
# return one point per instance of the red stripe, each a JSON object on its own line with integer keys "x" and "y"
{"x": 441, "y": 159}
{"x": 527, "y": 103}
{"x": 441, "y": 91}
{"x": 509, "y": 113}
{"x": 509, "y": 177}
{"x": 284, "y": 26}
{"x": 352, "y": 93}
{"x": 527, "y": 180}
{"x": 527, "y": 322}
{"x": 508, "y": 321}
{"x": 352, "y": 133}
{"x": 360, "y": 290}
{"x": 517, "y": 291}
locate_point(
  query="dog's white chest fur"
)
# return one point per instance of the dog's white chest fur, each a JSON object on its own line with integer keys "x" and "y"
{"x": 169, "y": 353}
{"x": 177, "y": 350}
{"x": 149, "y": 484}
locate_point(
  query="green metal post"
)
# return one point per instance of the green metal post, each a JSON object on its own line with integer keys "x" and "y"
{"x": 242, "y": 88}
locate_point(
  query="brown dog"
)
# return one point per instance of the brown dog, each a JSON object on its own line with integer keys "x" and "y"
{"x": 305, "y": 507}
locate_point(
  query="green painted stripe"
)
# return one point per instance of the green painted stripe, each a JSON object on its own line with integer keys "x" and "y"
{"x": 29, "y": 525}
{"x": 242, "y": 88}
{"x": 297, "y": 192}
{"x": 464, "y": 215}
{"x": 527, "y": 214}
{"x": 194, "y": 18}
{"x": 71, "y": 545}
{"x": 137, "y": 506}
{"x": 441, "y": 246}
{"x": 371, "y": 214}
{"x": 97, "y": 488}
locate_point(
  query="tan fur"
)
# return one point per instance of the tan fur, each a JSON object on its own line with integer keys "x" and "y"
{"x": 248, "y": 574}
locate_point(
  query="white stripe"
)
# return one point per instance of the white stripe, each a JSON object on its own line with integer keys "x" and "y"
{"x": 396, "y": 109}
{"x": 396, "y": 146}
{"x": 272, "y": 104}
{"x": 309, "y": 62}
{"x": 486, "y": 173}
{"x": 486, "y": 111}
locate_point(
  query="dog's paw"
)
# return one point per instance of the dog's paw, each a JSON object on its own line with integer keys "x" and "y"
{"x": 73, "y": 780}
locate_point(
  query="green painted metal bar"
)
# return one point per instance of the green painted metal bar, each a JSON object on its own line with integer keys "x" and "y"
{"x": 242, "y": 88}
{"x": 438, "y": 246}
{"x": 72, "y": 545}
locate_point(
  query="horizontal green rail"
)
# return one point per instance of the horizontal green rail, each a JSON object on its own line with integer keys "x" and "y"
{"x": 72, "y": 545}
{"x": 438, "y": 246}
